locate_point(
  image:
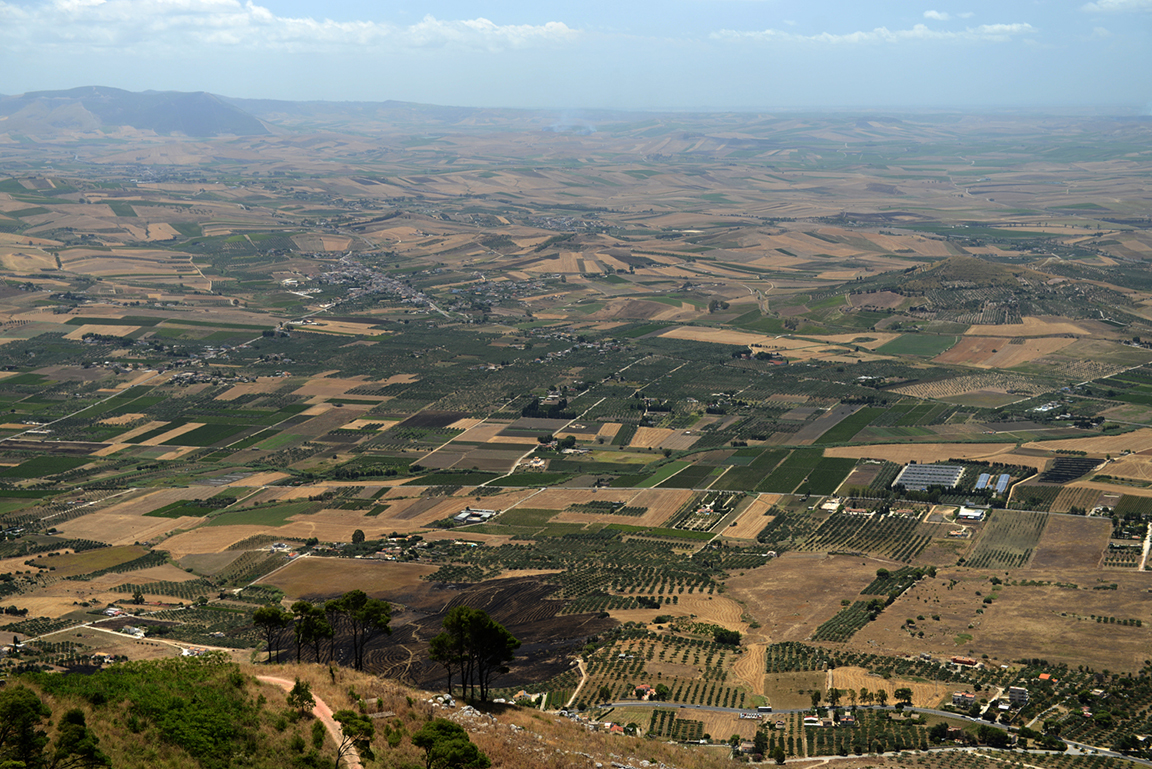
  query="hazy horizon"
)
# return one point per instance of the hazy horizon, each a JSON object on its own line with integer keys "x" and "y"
{"x": 684, "y": 55}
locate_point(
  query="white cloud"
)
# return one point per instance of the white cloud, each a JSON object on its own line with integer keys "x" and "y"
{"x": 937, "y": 15}
{"x": 982, "y": 33}
{"x": 1105, "y": 6}
{"x": 190, "y": 23}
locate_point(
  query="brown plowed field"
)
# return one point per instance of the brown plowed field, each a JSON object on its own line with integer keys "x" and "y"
{"x": 326, "y": 577}
{"x": 1072, "y": 542}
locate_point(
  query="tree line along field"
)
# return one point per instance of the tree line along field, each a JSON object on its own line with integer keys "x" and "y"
{"x": 343, "y": 390}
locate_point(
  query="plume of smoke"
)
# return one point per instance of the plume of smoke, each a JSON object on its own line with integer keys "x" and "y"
{"x": 571, "y": 122}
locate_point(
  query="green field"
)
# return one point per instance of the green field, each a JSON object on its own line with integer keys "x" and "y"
{"x": 664, "y": 473}
{"x": 844, "y": 430}
{"x": 923, "y": 345}
{"x": 39, "y": 467}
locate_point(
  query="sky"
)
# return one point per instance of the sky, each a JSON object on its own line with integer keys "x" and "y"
{"x": 614, "y": 54}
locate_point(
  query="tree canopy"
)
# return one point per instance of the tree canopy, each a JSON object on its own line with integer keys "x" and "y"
{"x": 475, "y": 646}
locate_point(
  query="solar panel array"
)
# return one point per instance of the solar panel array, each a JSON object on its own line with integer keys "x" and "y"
{"x": 920, "y": 477}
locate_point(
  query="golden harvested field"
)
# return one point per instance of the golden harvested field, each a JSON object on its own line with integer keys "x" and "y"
{"x": 714, "y": 609}
{"x": 788, "y": 691}
{"x": 651, "y": 437}
{"x": 723, "y": 723}
{"x": 1072, "y": 541}
{"x": 1137, "y": 440}
{"x": 325, "y": 387}
{"x": 754, "y": 518}
{"x": 662, "y": 504}
{"x": 1137, "y": 466}
{"x": 123, "y": 529}
{"x": 105, "y": 330}
{"x": 122, "y": 419}
{"x": 717, "y": 336}
{"x": 209, "y": 539}
{"x": 173, "y": 433}
{"x": 140, "y": 503}
{"x": 264, "y": 385}
{"x": 559, "y": 499}
{"x": 1034, "y": 325}
{"x": 998, "y": 352}
{"x": 260, "y": 479}
{"x": 144, "y": 428}
{"x": 926, "y": 694}
{"x": 330, "y": 576}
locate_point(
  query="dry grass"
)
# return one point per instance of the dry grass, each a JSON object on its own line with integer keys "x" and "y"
{"x": 144, "y": 428}
{"x": 174, "y": 433}
{"x": 122, "y": 529}
{"x": 1035, "y": 326}
{"x": 926, "y": 694}
{"x": 539, "y": 740}
{"x": 788, "y": 602}
{"x": 211, "y": 539}
{"x": 650, "y": 437}
{"x": 936, "y": 452}
{"x": 332, "y": 576}
{"x": 90, "y": 560}
{"x": 753, "y": 519}
{"x": 1075, "y": 542}
{"x": 1136, "y": 466}
{"x": 998, "y": 353}
{"x": 1137, "y": 440}
{"x": 990, "y": 382}
{"x": 95, "y": 329}
{"x": 1075, "y": 496}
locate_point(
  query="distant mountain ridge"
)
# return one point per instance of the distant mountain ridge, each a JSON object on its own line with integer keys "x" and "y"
{"x": 96, "y": 108}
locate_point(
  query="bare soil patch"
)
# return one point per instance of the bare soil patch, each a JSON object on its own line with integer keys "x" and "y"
{"x": 326, "y": 577}
{"x": 1072, "y": 542}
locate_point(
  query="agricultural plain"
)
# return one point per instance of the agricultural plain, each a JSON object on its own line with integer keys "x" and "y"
{"x": 644, "y": 395}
